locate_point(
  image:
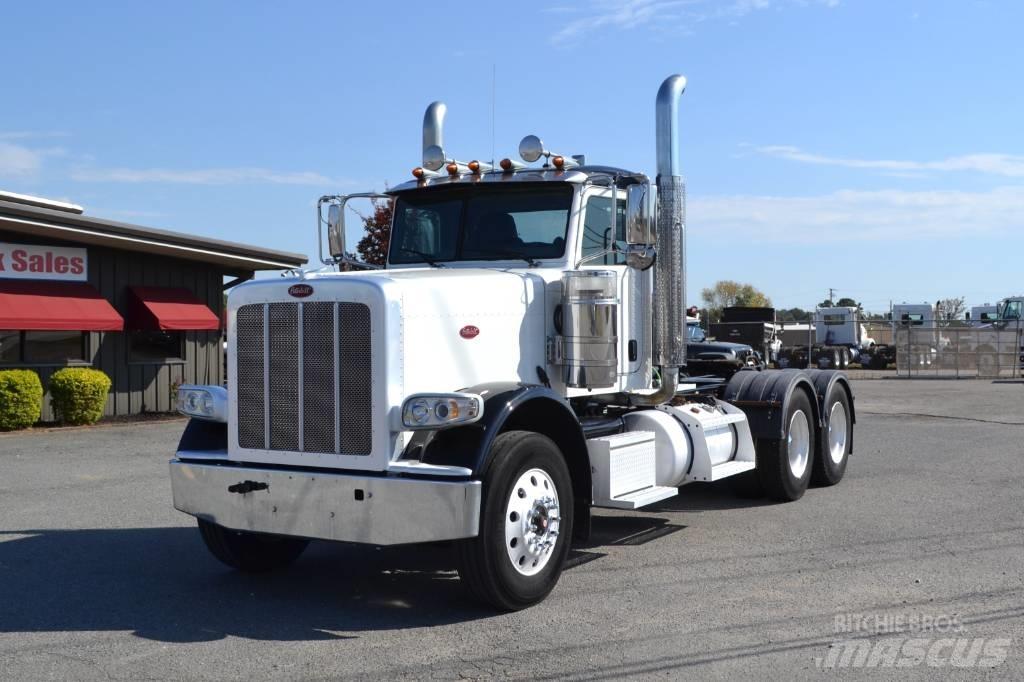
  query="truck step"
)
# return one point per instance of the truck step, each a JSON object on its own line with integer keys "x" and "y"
{"x": 723, "y": 470}
{"x": 639, "y": 498}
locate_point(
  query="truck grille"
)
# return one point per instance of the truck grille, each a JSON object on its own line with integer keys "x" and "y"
{"x": 304, "y": 377}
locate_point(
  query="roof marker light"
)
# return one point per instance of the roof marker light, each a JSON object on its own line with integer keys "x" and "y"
{"x": 562, "y": 163}
{"x": 509, "y": 165}
{"x": 422, "y": 173}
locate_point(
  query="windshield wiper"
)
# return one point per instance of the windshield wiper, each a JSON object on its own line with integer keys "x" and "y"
{"x": 427, "y": 258}
{"x": 530, "y": 260}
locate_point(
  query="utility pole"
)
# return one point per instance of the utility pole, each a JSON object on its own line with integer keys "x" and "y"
{"x": 831, "y": 295}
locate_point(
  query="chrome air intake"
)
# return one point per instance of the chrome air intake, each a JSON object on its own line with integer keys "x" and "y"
{"x": 670, "y": 274}
{"x": 433, "y": 136}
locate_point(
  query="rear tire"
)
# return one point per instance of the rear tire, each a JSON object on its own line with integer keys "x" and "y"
{"x": 525, "y": 523}
{"x": 250, "y": 552}
{"x": 784, "y": 465}
{"x": 836, "y": 440}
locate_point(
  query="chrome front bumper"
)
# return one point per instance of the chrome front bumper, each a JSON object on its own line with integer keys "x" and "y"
{"x": 344, "y": 507}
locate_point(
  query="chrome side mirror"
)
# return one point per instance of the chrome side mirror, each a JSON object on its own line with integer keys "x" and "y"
{"x": 336, "y": 230}
{"x": 639, "y": 214}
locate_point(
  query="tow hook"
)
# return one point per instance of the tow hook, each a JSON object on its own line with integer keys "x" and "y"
{"x": 247, "y": 487}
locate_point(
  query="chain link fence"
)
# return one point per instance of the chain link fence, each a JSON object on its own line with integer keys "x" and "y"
{"x": 951, "y": 349}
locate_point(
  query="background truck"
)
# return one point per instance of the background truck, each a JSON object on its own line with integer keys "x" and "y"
{"x": 715, "y": 357}
{"x": 840, "y": 338}
{"x": 503, "y": 372}
{"x": 750, "y": 325}
{"x": 916, "y": 335}
{"x": 982, "y": 314}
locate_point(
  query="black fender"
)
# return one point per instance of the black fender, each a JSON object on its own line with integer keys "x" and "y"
{"x": 201, "y": 435}
{"x": 825, "y": 381}
{"x": 514, "y": 406}
{"x": 765, "y": 396}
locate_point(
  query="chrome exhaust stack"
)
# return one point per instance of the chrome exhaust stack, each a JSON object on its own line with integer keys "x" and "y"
{"x": 433, "y": 136}
{"x": 670, "y": 271}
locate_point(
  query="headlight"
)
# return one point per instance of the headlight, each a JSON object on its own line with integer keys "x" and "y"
{"x": 203, "y": 402}
{"x": 437, "y": 410}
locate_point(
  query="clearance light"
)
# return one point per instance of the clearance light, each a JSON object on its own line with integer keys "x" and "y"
{"x": 440, "y": 410}
{"x": 478, "y": 167}
{"x": 561, "y": 163}
{"x": 422, "y": 173}
{"x": 509, "y": 165}
{"x": 203, "y": 402}
{"x": 452, "y": 168}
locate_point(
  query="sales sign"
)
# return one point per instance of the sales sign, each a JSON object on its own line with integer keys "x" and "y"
{"x": 26, "y": 261}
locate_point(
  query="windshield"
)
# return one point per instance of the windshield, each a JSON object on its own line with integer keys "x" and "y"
{"x": 694, "y": 332}
{"x": 481, "y": 223}
{"x": 1011, "y": 310}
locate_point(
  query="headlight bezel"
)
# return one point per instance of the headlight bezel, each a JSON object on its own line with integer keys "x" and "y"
{"x": 426, "y": 411}
{"x": 209, "y": 403}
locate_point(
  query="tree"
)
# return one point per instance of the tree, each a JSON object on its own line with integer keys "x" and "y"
{"x": 951, "y": 308}
{"x": 373, "y": 247}
{"x": 792, "y": 315}
{"x": 728, "y": 293}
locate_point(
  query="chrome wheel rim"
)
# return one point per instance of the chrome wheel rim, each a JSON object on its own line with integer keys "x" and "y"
{"x": 798, "y": 442}
{"x": 532, "y": 520}
{"x": 837, "y": 432}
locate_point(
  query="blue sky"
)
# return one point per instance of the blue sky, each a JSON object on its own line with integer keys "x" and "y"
{"x": 870, "y": 146}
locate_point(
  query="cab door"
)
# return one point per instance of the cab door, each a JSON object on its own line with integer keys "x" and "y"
{"x": 602, "y": 246}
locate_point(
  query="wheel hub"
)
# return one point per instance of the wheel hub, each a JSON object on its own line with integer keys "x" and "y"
{"x": 532, "y": 520}
{"x": 837, "y": 432}
{"x": 798, "y": 442}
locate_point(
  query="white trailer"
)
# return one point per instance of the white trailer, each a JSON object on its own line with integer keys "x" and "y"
{"x": 505, "y": 371}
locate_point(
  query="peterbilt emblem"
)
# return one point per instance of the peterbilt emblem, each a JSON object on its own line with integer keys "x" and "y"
{"x": 469, "y": 332}
{"x": 300, "y": 290}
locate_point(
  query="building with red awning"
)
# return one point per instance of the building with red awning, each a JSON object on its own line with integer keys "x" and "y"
{"x": 143, "y": 305}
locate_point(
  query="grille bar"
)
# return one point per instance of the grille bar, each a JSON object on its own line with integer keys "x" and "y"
{"x": 304, "y": 375}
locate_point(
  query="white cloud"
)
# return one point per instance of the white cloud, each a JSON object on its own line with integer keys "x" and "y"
{"x": 1009, "y": 165}
{"x": 632, "y": 14}
{"x": 206, "y": 176}
{"x": 851, "y": 215}
{"x": 18, "y": 161}
{"x": 32, "y": 134}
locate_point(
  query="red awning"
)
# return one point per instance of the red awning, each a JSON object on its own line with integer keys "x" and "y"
{"x": 34, "y": 305}
{"x": 169, "y": 309}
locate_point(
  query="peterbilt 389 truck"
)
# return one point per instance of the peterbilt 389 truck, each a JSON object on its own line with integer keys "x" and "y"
{"x": 519, "y": 359}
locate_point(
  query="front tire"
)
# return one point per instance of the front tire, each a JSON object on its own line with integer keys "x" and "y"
{"x": 836, "y": 440}
{"x": 250, "y": 552}
{"x": 525, "y": 523}
{"x": 784, "y": 465}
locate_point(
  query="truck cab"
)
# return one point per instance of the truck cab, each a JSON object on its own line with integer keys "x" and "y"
{"x": 519, "y": 357}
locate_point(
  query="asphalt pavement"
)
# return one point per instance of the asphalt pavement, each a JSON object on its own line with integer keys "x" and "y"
{"x": 919, "y": 549}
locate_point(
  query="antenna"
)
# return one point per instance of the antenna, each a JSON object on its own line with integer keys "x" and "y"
{"x": 494, "y": 87}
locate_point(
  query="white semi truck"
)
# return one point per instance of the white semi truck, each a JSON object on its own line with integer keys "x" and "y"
{"x": 519, "y": 359}
{"x": 840, "y": 338}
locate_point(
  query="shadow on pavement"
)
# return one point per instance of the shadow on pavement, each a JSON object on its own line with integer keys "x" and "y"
{"x": 162, "y": 584}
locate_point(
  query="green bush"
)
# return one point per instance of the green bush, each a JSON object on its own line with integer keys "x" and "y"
{"x": 78, "y": 394}
{"x": 21, "y": 399}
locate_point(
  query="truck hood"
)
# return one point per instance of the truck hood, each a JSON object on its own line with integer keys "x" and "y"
{"x": 454, "y": 327}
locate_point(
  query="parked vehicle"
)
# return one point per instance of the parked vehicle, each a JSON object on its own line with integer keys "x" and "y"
{"x": 840, "y": 339}
{"x": 753, "y": 326}
{"x": 982, "y": 314}
{"x": 717, "y": 358}
{"x": 492, "y": 382}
